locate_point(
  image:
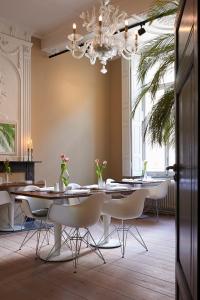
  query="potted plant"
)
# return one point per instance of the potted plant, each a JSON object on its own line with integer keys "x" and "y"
{"x": 159, "y": 54}
{"x": 7, "y": 170}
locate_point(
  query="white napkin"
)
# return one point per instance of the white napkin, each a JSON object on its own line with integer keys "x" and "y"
{"x": 115, "y": 188}
{"x": 92, "y": 186}
{"x": 47, "y": 189}
{"x": 77, "y": 191}
{"x": 127, "y": 180}
{"x": 30, "y": 188}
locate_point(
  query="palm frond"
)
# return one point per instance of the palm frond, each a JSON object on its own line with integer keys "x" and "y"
{"x": 159, "y": 49}
{"x": 163, "y": 8}
{"x": 161, "y": 121}
{"x": 158, "y": 57}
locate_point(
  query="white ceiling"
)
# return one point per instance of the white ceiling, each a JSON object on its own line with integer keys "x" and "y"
{"x": 44, "y": 17}
{"x": 51, "y": 20}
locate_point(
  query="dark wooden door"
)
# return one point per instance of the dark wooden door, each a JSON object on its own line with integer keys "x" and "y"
{"x": 187, "y": 150}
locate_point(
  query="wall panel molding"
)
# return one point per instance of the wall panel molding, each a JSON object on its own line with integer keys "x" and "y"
{"x": 15, "y": 87}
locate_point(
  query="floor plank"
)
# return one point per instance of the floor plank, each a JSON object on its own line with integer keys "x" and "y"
{"x": 141, "y": 275}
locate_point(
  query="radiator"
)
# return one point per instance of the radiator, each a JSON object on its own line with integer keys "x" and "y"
{"x": 167, "y": 205}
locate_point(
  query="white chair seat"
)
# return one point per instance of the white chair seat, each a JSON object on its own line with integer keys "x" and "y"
{"x": 40, "y": 213}
{"x": 79, "y": 216}
{"x": 128, "y": 208}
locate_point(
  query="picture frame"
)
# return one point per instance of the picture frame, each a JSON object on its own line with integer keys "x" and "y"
{"x": 8, "y": 138}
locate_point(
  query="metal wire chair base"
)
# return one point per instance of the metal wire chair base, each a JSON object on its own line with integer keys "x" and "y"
{"x": 74, "y": 240}
{"x": 125, "y": 229}
{"x": 42, "y": 226}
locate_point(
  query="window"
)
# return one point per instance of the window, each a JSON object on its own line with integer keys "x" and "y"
{"x": 158, "y": 158}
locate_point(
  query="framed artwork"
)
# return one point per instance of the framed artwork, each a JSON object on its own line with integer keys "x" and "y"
{"x": 8, "y": 138}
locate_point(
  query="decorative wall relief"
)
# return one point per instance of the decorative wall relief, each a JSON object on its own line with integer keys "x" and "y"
{"x": 15, "y": 87}
{"x": 2, "y": 86}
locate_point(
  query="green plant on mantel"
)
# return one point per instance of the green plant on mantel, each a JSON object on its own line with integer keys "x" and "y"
{"x": 159, "y": 54}
{"x": 7, "y": 168}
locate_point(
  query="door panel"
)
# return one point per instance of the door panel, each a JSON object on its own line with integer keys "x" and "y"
{"x": 187, "y": 122}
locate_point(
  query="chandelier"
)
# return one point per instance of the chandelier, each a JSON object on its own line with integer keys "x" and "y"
{"x": 105, "y": 39}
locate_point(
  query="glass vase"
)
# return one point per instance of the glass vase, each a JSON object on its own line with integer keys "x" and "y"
{"x": 61, "y": 185}
{"x": 145, "y": 175}
{"x": 101, "y": 182}
{"x": 7, "y": 177}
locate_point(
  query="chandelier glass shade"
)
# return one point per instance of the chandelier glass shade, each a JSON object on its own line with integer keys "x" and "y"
{"x": 103, "y": 40}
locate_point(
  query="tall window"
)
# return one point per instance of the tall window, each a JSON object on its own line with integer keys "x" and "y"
{"x": 158, "y": 158}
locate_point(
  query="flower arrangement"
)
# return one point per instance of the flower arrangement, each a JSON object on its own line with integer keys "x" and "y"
{"x": 144, "y": 171}
{"x": 7, "y": 167}
{"x": 99, "y": 168}
{"x": 64, "y": 175}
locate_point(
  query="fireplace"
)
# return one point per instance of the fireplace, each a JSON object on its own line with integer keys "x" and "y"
{"x": 26, "y": 167}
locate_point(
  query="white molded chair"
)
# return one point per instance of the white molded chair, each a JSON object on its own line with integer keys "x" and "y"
{"x": 5, "y": 200}
{"x": 38, "y": 214}
{"x": 157, "y": 193}
{"x": 128, "y": 208}
{"x": 73, "y": 186}
{"x": 79, "y": 216}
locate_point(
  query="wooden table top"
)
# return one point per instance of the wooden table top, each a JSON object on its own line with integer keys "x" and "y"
{"x": 6, "y": 186}
{"x": 51, "y": 195}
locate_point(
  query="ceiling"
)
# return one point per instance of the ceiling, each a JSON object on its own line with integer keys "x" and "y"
{"x": 51, "y": 20}
{"x": 44, "y": 17}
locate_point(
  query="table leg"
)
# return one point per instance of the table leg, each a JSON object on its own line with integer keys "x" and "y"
{"x": 107, "y": 242}
{"x": 60, "y": 252}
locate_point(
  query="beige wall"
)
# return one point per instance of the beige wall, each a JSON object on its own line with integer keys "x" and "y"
{"x": 70, "y": 114}
{"x": 115, "y": 120}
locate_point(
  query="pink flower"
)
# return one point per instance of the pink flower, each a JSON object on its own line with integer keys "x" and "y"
{"x": 97, "y": 161}
{"x": 64, "y": 158}
{"x": 104, "y": 162}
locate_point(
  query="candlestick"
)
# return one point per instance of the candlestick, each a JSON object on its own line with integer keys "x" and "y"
{"x": 31, "y": 154}
{"x": 28, "y": 152}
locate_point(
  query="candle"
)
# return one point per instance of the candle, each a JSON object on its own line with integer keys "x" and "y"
{"x": 100, "y": 20}
{"x": 30, "y": 144}
{"x": 74, "y": 28}
{"x": 126, "y": 25}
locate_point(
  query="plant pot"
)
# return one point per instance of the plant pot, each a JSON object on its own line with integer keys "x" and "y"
{"x": 7, "y": 177}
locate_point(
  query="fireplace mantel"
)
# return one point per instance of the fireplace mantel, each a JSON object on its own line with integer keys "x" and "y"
{"x": 28, "y": 167}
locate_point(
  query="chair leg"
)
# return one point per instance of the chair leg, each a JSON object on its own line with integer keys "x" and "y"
{"x": 99, "y": 253}
{"x": 26, "y": 239}
{"x": 157, "y": 210}
{"x": 141, "y": 241}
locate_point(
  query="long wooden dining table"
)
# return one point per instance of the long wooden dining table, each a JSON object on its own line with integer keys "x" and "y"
{"x": 62, "y": 198}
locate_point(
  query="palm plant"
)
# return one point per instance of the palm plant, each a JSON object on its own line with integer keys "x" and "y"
{"x": 159, "y": 55}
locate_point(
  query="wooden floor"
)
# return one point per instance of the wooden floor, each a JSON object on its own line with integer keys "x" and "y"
{"x": 140, "y": 276}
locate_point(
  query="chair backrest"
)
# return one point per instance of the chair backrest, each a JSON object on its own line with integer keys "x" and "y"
{"x": 80, "y": 215}
{"x": 127, "y": 208}
{"x": 160, "y": 191}
{"x": 135, "y": 203}
{"x": 34, "y": 203}
{"x": 4, "y": 198}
